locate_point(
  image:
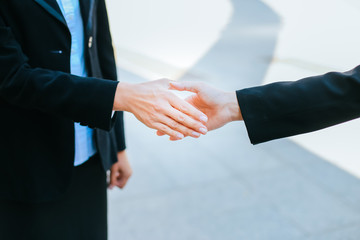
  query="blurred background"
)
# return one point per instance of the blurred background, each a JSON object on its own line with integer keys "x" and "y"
{"x": 221, "y": 186}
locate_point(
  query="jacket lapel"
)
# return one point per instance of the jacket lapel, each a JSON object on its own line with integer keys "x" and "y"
{"x": 52, "y": 8}
{"x": 87, "y": 10}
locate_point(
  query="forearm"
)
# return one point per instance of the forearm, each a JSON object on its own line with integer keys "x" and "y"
{"x": 289, "y": 108}
{"x": 85, "y": 100}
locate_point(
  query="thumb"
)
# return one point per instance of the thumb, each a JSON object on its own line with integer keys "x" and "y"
{"x": 113, "y": 177}
{"x": 194, "y": 87}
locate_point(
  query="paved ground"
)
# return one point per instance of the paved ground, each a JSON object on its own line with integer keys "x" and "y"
{"x": 222, "y": 187}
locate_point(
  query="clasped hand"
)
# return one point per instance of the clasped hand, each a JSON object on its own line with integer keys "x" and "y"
{"x": 220, "y": 107}
{"x": 158, "y": 108}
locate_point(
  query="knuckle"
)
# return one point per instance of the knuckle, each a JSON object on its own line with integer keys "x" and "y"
{"x": 148, "y": 122}
{"x": 153, "y": 117}
{"x": 184, "y": 109}
{"x": 174, "y": 125}
{"x": 193, "y": 125}
{"x": 198, "y": 125}
{"x": 189, "y": 132}
{"x": 152, "y": 125}
{"x": 162, "y": 128}
{"x": 157, "y": 107}
{"x": 181, "y": 118}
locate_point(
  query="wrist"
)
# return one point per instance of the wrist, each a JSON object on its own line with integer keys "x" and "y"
{"x": 121, "y": 97}
{"x": 121, "y": 154}
{"x": 232, "y": 107}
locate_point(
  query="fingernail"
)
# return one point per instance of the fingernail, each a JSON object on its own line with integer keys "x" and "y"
{"x": 204, "y": 118}
{"x": 195, "y": 134}
{"x": 179, "y": 135}
{"x": 203, "y": 130}
{"x": 175, "y": 84}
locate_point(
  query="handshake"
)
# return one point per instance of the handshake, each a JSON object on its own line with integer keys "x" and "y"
{"x": 158, "y": 108}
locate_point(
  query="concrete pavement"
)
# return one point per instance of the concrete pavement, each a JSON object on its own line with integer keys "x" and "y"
{"x": 220, "y": 186}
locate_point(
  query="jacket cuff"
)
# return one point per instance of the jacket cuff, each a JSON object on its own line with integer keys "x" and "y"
{"x": 100, "y": 106}
{"x": 250, "y": 105}
{"x": 119, "y": 131}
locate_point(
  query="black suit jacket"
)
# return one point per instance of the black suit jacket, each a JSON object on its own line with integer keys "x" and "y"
{"x": 284, "y": 109}
{"x": 40, "y": 100}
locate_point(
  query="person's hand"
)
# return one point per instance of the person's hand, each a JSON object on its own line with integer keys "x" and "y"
{"x": 220, "y": 107}
{"x": 120, "y": 171}
{"x": 154, "y": 105}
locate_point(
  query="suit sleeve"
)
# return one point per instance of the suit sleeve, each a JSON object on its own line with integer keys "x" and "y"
{"x": 289, "y": 108}
{"x": 85, "y": 100}
{"x": 108, "y": 67}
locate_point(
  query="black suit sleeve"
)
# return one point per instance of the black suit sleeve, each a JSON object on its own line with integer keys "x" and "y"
{"x": 289, "y": 108}
{"x": 120, "y": 132}
{"x": 85, "y": 100}
{"x": 108, "y": 67}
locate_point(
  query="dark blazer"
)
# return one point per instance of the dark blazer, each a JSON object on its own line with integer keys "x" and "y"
{"x": 40, "y": 100}
{"x": 285, "y": 109}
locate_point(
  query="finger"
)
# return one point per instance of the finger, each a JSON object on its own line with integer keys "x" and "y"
{"x": 162, "y": 134}
{"x": 188, "y": 109}
{"x": 168, "y": 131}
{"x": 185, "y": 120}
{"x": 190, "y": 99}
{"x": 121, "y": 183}
{"x": 120, "y": 179}
{"x": 173, "y": 139}
{"x": 181, "y": 128}
{"x": 194, "y": 87}
{"x": 159, "y": 133}
{"x": 113, "y": 177}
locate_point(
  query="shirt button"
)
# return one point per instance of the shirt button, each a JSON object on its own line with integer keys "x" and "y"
{"x": 90, "y": 42}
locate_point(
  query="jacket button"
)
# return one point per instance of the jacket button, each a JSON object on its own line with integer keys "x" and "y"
{"x": 90, "y": 41}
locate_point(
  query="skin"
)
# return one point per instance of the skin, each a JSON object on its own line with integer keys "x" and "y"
{"x": 221, "y": 107}
{"x": 120, "y": 171}
{"x": 154, "y": 105}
